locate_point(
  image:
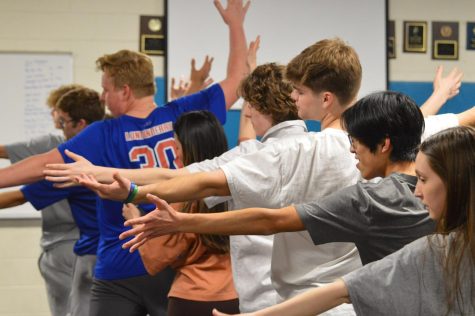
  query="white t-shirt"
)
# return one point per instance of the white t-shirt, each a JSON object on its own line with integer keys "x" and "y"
{"x": 278, "y": 131}
{"x": 297, "y": 170}
{"x": 437, "y": 123}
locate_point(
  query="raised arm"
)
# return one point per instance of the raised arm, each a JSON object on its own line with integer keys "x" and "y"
{"x": 445, "y": 88}
{"x": 467, "y": 118}
{"x": 233, "y": 15}
{"x": 65, "y": 174}
{"x": 28, "y": 170}
{"x": 312, "y": 302}
{"x": 252, "y": 221}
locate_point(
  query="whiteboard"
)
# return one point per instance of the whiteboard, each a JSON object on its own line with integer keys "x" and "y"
{"x": 195, "y": 29}
{"x": 25, "y": 82}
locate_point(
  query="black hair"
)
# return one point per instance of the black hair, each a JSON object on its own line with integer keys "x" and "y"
{"x": 201, "y": 136}
{"x": 386, "y": 114}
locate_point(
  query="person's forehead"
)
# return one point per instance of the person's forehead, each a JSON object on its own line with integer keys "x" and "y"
{"x": 62, "y": 114}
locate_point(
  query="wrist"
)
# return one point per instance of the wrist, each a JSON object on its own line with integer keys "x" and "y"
{"x": 134, "y": 189}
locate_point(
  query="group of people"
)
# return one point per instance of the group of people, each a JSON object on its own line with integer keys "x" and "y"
{"x": 359, "y": 213}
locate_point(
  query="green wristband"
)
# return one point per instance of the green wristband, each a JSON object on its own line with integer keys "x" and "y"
{"x": 134, "y": 189}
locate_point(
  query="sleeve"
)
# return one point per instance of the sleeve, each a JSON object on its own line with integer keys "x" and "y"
{"x": 379, "y": 288}
{"x": 437, "y": 123}
{"x": 251, "y": 179}
{"x": 89, "y": 143}
{"x": 42, "y": 194}
{"x": 160, "y": 252}
{"x": 215, "y": 163}
{"x": 339, "y": 217}
{"x": 211, "y": 99}
{"x": 37, "y": 145}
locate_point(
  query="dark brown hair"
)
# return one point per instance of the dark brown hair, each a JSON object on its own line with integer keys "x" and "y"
{"x": 202, "y": 137}
{"x": 451, "y": 155}
{"x": 82, "y": 103}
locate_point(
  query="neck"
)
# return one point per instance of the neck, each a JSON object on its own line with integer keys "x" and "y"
{"x": 142, "y": 107}
{"x": 406, "y": 167}
{"x": 330, "y": 121}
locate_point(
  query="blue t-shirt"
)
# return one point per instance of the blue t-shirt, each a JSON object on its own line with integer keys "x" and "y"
{"x": 132, "y": 143}
{"x": 82, "y": 202}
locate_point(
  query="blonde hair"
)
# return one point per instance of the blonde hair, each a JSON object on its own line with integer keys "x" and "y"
{"x": 129, "y": 68}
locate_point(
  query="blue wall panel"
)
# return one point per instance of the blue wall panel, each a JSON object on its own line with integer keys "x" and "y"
{"x": 420, "y": 91}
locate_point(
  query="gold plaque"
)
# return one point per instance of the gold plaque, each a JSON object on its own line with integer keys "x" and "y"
{"x": 415, "y": 37}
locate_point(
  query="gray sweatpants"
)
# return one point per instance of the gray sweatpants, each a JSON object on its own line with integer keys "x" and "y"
{"x": 83, "y": 275}
{"x": 56, "y": 268}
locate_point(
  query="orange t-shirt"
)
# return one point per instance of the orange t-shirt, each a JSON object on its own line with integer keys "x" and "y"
{"x": 201, "y": 275}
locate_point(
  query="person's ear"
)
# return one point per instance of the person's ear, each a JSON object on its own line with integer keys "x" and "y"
{"x": 82, "y": 123}
{"x": 328, "y": 99}
{"x": 386, "y": 145}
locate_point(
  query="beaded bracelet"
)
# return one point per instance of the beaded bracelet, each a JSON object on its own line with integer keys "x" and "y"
{"x": 134, "y": 189}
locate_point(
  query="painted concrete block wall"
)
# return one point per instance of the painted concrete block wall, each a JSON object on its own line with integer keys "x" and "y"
{"x": 413, "y": 73}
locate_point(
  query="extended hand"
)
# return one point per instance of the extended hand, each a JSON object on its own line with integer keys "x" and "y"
{"x": 449, "y": 86}
{"x": 234, "y": 13}
{"x": 118, "y": 190}
{"x": 64, "y": 174}
{"x": 163, "y": 220}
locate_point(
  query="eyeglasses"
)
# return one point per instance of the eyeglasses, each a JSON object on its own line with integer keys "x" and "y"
{"x": 62, "y": 122}
{"x": 350, "y": 138}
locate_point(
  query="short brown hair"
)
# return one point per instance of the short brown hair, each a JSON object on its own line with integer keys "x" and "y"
{"x": 57, "y": 93}
{"x": 129, "y": 68}
{"x": 82, "y": 103}
{"x": 328, "y": 65}
{"x": 267, "y": 91}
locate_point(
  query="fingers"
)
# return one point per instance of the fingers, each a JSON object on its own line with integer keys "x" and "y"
{"x": 193, "y": 64}
{"x": 246, "y": 6}
{"x": 74, "y": 156}
{"x": 123, "y": 182}
{"x": 219, "y": 6}
{"x": 137, "y": 245}
{"x": 218, "y": 313}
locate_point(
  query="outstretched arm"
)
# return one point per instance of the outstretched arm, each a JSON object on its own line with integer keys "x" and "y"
{"x": 28, "y": 170}
{"x": 445, "y": 88}
{"x": 312, "y": 302}
{"x": 3, "y": 152}
{"x": 252, "y": 221}
{"x": 11, "y": 199}
{"x": 179, "y": 189}
{"x": 233, "y": 16}
{"x": 65, "y": 174}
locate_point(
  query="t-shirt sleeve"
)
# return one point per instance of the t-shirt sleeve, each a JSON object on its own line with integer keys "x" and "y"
{"x": 211, "y": 99}
{"x": 37, "y": 145}
{"x": 339, "y": 217}
{"x": 379, "y": 287}
{"x": 89, "y": 143}
{"x": 42, "y": 194}
{"x": 437, "y": 123}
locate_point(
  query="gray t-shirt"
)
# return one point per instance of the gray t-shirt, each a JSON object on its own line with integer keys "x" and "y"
{"x": 380, "y": 218}
{"x": 410, "y": 282}
{"x": 57, "y": 221}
